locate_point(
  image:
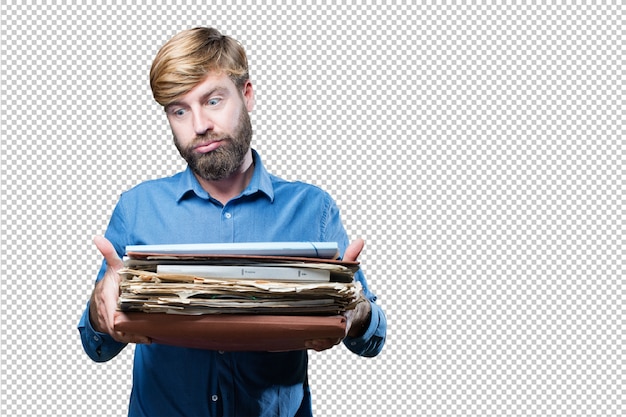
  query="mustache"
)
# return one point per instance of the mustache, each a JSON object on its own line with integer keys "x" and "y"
{"x": 201, "y": 139}
{"x": 209, "y": 138}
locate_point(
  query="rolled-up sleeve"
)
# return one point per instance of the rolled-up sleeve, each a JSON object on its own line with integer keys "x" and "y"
{"x": 100, "y": 347}
{"x": 372, "y": 341}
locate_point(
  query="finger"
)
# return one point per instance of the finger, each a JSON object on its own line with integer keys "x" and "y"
{"x": 103, "y": 304}
{"x": 314, "y": 345}
{"x": 354, "y": 250}
{"x": 131, "y": 338}
{"x": 321, "y": 344}
{"x": 108, "y": 251}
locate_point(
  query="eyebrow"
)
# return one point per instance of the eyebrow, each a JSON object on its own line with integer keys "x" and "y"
{"x": 212, "y": 91}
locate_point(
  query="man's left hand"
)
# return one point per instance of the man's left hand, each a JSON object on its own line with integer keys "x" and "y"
{"x": 358, "y": 318}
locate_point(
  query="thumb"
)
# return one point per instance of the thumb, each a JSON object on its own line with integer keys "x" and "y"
{"x": 354, "y": 250}
{"x": 108, "y": 251}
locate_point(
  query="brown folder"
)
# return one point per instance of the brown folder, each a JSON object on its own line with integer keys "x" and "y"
{"x": 232, "y": 332}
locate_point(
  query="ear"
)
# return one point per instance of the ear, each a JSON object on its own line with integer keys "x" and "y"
{"x": 248, "y": 95}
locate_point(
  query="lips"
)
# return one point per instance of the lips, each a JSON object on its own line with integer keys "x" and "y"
{"x": 206, "y": 147}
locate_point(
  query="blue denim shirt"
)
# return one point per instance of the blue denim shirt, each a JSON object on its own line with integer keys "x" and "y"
{"x": 172, "y": 381}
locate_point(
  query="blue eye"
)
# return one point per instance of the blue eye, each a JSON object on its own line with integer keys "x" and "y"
{"x": 176, "y": 111}
{"x": 214, "y": 101}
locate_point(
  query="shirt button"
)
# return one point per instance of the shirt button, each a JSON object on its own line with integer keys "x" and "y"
{"x": 96, "y": 338}
{"x": 221, "y": 352}
{"x": 228, "y": 215}
{"x": 214, "y": 397}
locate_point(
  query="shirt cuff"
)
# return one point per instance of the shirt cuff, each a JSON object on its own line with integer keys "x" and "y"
{"x": 100, "y": 347}
{"x": 371, "y": 342}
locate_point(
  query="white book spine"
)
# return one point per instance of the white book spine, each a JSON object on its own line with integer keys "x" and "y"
{"x": 328, "y": 250}
{"x": 248, "y": 272}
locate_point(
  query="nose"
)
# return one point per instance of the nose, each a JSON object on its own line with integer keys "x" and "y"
{"x": 201, "y": 123}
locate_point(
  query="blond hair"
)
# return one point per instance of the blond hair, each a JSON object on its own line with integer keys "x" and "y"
{"x": 188, "y": 57}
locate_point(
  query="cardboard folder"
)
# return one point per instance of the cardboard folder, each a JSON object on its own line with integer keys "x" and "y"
{"x": 232, "y": 332}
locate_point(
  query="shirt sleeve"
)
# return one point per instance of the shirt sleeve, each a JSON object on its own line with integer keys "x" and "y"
{"x": 372, "y": 341}
{"x": 100, "y": 347}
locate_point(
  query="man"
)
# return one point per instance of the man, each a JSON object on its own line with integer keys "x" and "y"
{"x": 225, "y": 195}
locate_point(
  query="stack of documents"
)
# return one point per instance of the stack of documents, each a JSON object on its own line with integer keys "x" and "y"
{"x": 236, "y": 297}
{"x": 277, "y": 278}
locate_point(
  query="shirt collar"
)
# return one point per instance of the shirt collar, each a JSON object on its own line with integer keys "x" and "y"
{"x": 260, "y": 182}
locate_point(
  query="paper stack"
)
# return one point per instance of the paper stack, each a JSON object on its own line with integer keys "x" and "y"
{"x": 236, "y": 297}
{"x": 286, "y": 278}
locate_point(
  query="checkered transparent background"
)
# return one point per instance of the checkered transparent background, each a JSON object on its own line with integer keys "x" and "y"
{"x": 478, "y": 147}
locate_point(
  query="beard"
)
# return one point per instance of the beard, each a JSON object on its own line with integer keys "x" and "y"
{"x": 224, "y": 161}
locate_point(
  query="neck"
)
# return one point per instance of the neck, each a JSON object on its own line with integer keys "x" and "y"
{"x": 228, "y": 188}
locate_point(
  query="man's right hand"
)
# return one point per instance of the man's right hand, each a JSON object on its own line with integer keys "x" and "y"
{"x": 104, "y": 297}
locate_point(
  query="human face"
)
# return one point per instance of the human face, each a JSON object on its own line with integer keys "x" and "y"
{"x": 211, "y": 126}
